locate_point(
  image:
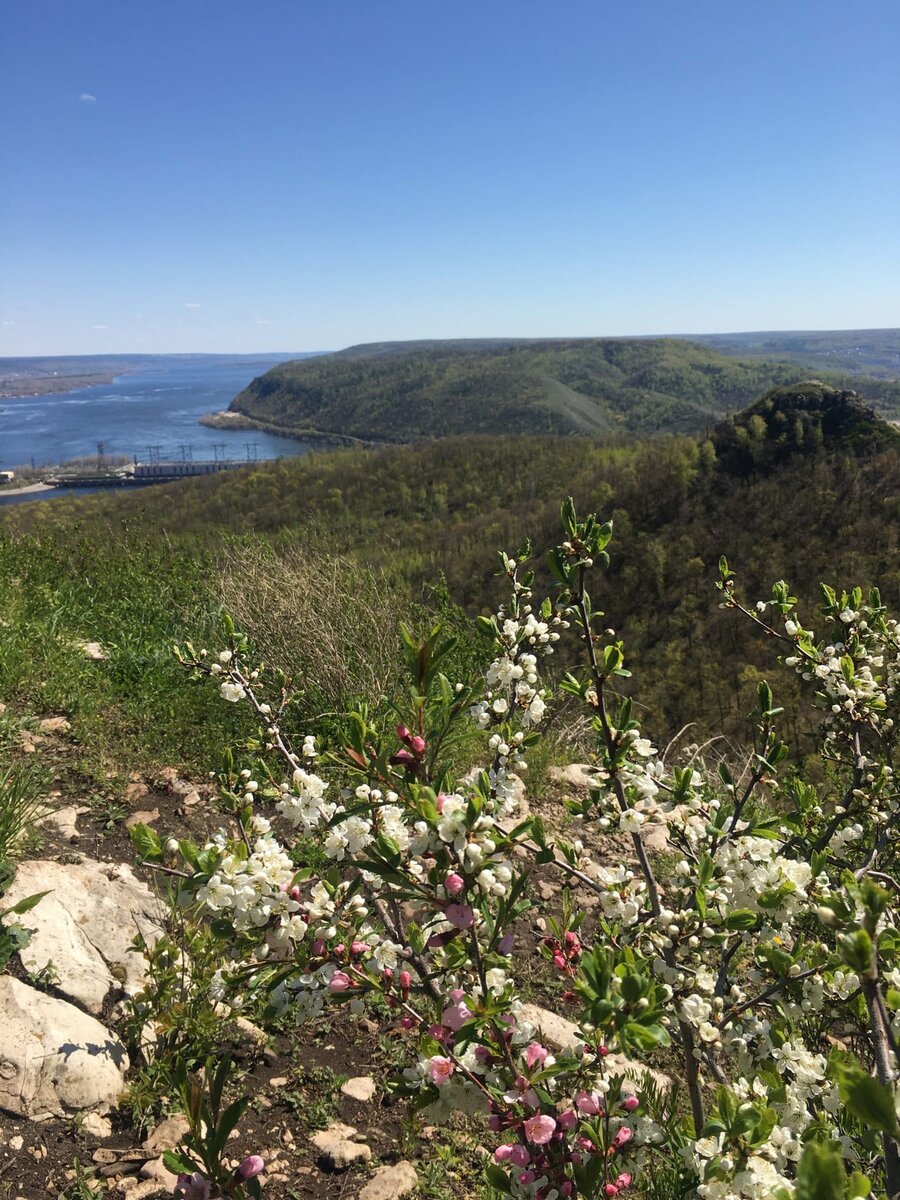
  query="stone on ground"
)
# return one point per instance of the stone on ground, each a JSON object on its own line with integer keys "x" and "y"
{"x": 54, "y": 1059}
{"x": 167, "y": 1134}
{"x": 336, "y": 1145}
{"x": 54, "y": 725}
{"x": 391, "y": 1182}
{"x": 575, "y": 776}
{"x": 85, "y": 926}
{"x": 65, "y": 820}
{"x": 360, "y": 1087}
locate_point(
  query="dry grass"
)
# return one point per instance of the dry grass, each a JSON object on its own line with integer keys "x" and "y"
{"x": 329, "y": 624}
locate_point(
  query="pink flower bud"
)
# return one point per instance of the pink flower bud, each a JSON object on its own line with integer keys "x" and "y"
{"x": 404, "y": 979}
{"x": 495, "y": 1125}
{"x": 192, "y": 1187}
{"x": 588, "y": 1103}
{"x": 610, "y": 1190}
{"x": 535, "y": 1055}
{"x": 417, "y": 745}
{"x": 520, "y": 1156}
{"x": 567, "y": 1121}
{"x": 295, "y": 892}
{"x": 559, "y": 961}
{"x": 359, "y": 947}
{"x": 403, "y": 733}
{"x": 623, "y": 1180}
{"x": 502, "y": 1153}
{"x": 622, "y": 1138}
{"x": 567, "y": 1188}
{"x": 630, "y": 1103}
{"x": 252, "y": 1165}
{"x": 340, "y": 982}
{"x": 527, "y": 1177}
{"x": 454, "y": 883}
{"x": 406, "y": 1022}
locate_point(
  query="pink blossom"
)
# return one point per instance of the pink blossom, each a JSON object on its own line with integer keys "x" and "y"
{"x": 404, "y": 979}
{"x": 623, "y": 1137}
{"x": 455, "y": 1015}
{"x": 403, "y": 733}
{"x": 567, "y": 1120}
{"x": 192, "y": 1187}
{"x": 437, "y": 1031}
{"x": 440, "y": 1069}
{"x": 527, "y": 1177}
{"x": 403, "y": 757}
{"x": 252, "y": 1165}
{"x": 359, "y": 947}
{"x": 540, "y": 1129}
{"x": 630, "y": 1103}
{"x": 460, "y": 915}
{"x": 340, "y": 982}
{"x": 454, "y": 883}
{"x": 567, "y": 1188}
{"x": 610, "y": 1190}
{"x": 623, "y": 1180}
{"x": 502, "y": 1153}
{"x": 588, "y": 1103}
{"x": 535, "y": 1055}
{"x": 417, "y": 745}
{"x": 519, "y": 1157}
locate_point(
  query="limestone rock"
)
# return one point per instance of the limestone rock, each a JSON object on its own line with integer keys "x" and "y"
{"x": 167, "y": 1134}
{"x": 92, "y": 650}
{"x": 391, "y": 1182}
{"x": 85, "y": 926}
{"x": 157, "y": 1169}
{"x": 54, "y": 1059}
{"x": 65, "y": 821}
{"x": 336, "y": 1145}
{"x": 142, "y": 817}
{"x": 576, "y": 777}
{"x": 360, "y": 1087}
{"x": 97, "y": 1126}
{"x": 54, "y": 725}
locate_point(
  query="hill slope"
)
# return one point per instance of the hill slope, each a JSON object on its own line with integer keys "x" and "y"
{"x": 408, "y": 391}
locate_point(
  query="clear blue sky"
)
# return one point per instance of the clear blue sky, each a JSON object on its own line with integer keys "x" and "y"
{"x": 243, "y": 175}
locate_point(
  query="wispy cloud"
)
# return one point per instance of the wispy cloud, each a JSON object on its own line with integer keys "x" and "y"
{"x": 7, "y": 322}
{"x": 100, "y": 327}
{"x": 261, "y": 321}
{"x": 193, "y": 306}
{"x": 88, "y": 98}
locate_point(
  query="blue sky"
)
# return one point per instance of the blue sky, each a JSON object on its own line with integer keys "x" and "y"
{"x": 231, "y": 175}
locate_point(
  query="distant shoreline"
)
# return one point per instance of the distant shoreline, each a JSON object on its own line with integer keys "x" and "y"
{"x": 227, "y": 419}
{"x": 14, "y": 389}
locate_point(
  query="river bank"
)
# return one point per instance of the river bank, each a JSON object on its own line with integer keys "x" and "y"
{"x": 228, "y": 419}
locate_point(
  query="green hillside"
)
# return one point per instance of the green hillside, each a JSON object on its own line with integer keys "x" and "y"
{"x": 422, "y": 512}
{"x": 409, "y": 391}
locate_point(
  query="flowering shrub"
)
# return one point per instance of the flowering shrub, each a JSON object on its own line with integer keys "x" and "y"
{"x": 762, "y": 969}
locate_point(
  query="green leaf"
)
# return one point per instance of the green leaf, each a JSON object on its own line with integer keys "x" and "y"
{"x": 179, "y": 1163}
{"x": 821, "y": 1174}
{"x": 741, "y": 918}
{"x": 866, "y": 1097}
{"x": 146, "y": 841}
{"x": 25, "y": 905}
{"x": 497, "y": 1178}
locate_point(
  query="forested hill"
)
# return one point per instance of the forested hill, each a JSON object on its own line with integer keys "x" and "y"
{"x": 409, "y": 391}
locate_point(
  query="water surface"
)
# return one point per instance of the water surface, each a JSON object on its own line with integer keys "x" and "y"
{"x": 152, "y": 413}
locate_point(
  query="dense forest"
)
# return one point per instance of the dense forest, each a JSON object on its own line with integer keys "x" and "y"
{"x": 407, "y": 391}
{"x": 801, "y": 459}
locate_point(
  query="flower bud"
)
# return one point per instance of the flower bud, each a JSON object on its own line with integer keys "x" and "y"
{"x": 252, "y": 1165}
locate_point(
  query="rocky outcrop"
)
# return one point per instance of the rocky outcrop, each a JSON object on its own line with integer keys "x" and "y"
{"x": 55, "y": 1060}
{"x": 84, "y": 927}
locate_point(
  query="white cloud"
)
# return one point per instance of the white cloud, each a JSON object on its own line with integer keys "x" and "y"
{"x": 86, "y": 96}
{"x": 260, "y": 321}
{"x": 100, "y": 327}
{"x": 193, "y": 306}
{"x": 8, "y": 322}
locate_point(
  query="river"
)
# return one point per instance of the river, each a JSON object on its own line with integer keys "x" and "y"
{"x": 150, "y": 414}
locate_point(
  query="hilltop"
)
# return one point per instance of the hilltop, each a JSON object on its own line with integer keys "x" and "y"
{"x": 409, "y": 391}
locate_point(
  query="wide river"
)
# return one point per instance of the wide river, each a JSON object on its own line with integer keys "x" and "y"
{"x": 150, "y": 414}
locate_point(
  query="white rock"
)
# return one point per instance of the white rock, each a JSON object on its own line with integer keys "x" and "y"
{"x": 54, "y": 725}
{"x": 85, "y": 926}
{"x": 391, "y": 1182}
{"x": 360, "y": 1087}
{"x": 157, "y": 1169}
{"x": 65, "y": 820}
{"x": 336, "y": 1145}
{"x": 97, "y": 1126}
{"x": 576, "y": 776}
{"x": 167, "y": 1134}
{"x": 92, "y": 650}
{"x": 54, "y": 1059}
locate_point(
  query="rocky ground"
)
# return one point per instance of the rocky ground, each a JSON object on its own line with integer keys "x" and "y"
{"x": 319, "y": 1114}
